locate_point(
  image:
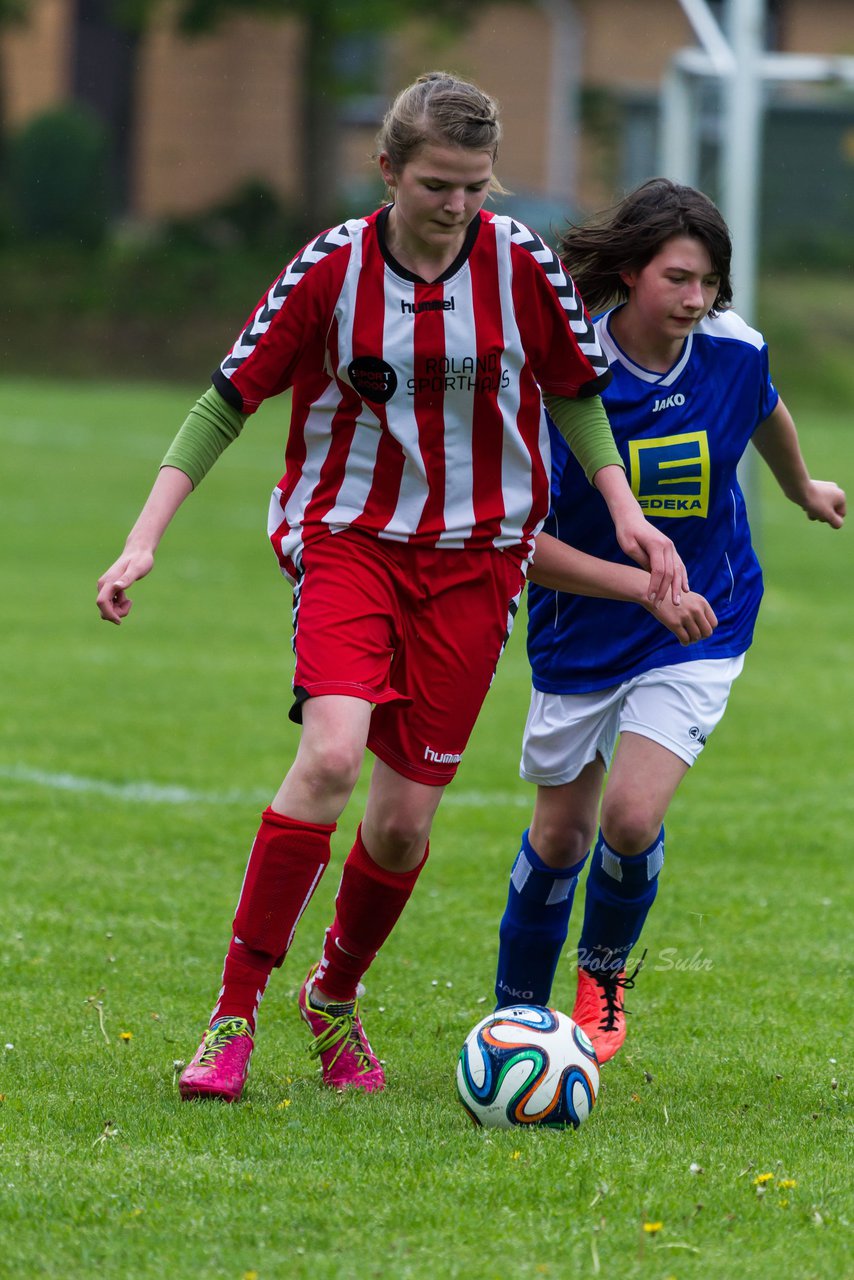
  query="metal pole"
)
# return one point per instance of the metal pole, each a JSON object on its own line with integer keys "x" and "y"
{"x": 741, "y": 147}
{"x": 741, "y": 157}
{"x": 564, "y": 111}
{"x": 678, "y": 148}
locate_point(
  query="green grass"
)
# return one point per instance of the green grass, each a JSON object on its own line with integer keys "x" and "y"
{"x": 118, "y": 894}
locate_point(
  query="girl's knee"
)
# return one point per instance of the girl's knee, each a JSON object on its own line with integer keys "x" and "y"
{"x": 330, "y": 766}
{"x": 561, "y": 842}
{"x": 629, "y": 827}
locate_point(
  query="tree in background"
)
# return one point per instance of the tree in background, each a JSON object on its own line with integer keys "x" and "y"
{"x": 12, "y": 13}
{"x": 327, "y": 24}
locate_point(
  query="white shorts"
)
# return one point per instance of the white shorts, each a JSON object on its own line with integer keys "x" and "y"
{"x": 677, "y": 706}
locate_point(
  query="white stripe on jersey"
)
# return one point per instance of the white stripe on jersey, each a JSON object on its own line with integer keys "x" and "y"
{"x": 515, "y": 458}
{"x": 362, "y": 457}
{"x": 399, "y": 351}
{"x": 459, "y": 407}
{"x": 318, "y": 443}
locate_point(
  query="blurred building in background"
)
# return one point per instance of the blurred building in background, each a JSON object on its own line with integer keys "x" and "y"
{"x": 192, "y": 119}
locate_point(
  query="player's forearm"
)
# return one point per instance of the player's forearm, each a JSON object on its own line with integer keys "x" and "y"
{"x": 614, "y": 487}
{"x": 776, "y": 440}
{"x": 560, "y": 567}
{"x": 168, "y": 492}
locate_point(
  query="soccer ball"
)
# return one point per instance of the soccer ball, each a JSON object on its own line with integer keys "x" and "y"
{"x": 527, "y": 1065}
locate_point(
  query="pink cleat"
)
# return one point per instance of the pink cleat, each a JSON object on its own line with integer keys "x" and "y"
{"x": 221, "y": 1062}
{"x": 599, "y": 1009}
{"x": 346, "y": 1058}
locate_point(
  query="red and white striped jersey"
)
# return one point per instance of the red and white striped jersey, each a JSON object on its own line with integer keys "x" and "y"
{"x": 417, "y": 411}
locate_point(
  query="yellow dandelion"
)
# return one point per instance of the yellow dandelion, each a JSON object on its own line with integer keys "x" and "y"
{"x": 651, "y": 1228}
{"x": 784, "y": 1204}
{"x": 515, "y": 1155}
{"x": 785, "y": 1183}
{"x": 286, "y": 1102}
{"x": 762, "y": 1178}
{"x": 250, "y": 1275}
{"x": 125, "y": 1035}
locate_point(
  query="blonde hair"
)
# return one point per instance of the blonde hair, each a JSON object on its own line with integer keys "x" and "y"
{"x": 440, "y": 108}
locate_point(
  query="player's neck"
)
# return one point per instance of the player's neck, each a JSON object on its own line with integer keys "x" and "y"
{"x": 428, "y": 261}
{"x": 648, "y": 348}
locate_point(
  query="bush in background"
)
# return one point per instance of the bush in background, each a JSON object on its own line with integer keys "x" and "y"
{"x": 58, "y": 185}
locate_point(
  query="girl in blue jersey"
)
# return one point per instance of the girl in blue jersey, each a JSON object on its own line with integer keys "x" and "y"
{"x": 612, "y": 690}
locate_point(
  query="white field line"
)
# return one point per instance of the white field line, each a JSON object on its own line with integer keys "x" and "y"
{"x": 142, "y": 792}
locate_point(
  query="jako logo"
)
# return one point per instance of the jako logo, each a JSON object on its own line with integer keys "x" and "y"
{"x": 668, "y": 402}
{"x": 696, "y": 733}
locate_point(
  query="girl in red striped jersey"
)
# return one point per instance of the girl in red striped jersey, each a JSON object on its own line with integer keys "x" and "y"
{"x": 418, "y": 343}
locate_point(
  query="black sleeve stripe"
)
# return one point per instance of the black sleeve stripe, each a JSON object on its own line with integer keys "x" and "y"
{"x": 278, "y": 293}
{"x": 227, "y": 390}
{"x": 568, "y": 296}
{"x": 596, "y": 386}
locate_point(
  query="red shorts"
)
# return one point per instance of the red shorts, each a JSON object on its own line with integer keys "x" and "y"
{"x": 417, "y": 631}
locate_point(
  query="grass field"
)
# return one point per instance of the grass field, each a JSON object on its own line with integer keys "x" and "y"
{"x": 133, "y": 766}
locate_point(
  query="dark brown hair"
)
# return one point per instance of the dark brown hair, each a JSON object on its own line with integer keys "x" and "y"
{"x": 630, "y": 234}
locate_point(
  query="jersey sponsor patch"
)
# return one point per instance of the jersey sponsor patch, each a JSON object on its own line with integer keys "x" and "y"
{"x": 373, "y": 378}
{"x": 670, "y": 475}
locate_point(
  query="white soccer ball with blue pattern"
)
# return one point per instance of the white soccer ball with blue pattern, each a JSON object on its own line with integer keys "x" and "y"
{"x": 527, "y": 1065}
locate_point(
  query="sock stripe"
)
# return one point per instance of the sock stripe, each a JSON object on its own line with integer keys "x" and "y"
{"x": 306, "y": 900}
{"x": 521, "y": 872}
{"x": 611, "y": 862}
{"x": 562, "y": 889}
{"x": 655, "y": 861}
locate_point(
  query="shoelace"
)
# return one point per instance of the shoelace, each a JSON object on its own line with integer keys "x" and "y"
{"x": 612, "y": 984}
{"x": 219, "y": 1037}
{"x": 342, "y": 1029}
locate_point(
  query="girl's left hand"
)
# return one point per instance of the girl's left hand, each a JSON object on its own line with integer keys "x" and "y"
{"x": 825, "y": 501}
{"x": 654, "y": 551}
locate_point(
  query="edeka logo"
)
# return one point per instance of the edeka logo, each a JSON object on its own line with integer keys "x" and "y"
{"x": 670, "y": 475}
{"x": 372, "y": 378}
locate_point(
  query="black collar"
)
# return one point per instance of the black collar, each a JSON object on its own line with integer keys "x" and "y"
{"x": 468, "y": 244}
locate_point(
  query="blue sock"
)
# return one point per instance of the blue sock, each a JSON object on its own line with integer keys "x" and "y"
{"x": 533, "y": 928}
{"x": 620, "y": 891}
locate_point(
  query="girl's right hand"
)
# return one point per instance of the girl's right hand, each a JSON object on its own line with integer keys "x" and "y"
{"x": 691, "y": 620}
{"x": 170, "y": 489}
{"x": 113, "y": 603}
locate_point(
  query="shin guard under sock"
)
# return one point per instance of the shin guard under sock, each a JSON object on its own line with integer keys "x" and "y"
{"x": 369, "y": 903}
{"x": 285, "y": 865}
{"x": 533, "y": 928}
{"x": 620, "y": 891}
{"x": 245, "y": 976}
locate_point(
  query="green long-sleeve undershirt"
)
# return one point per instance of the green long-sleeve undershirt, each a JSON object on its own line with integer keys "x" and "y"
{"x": 209, "y": 428}
{"x": 585, "y": 427}
{"x": 212, "y": 425}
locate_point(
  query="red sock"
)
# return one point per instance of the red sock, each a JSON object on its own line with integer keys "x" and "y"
{"x": 285, "y": 865}
{"x": 244, "y": 979}
{"x": 369, "y": 902}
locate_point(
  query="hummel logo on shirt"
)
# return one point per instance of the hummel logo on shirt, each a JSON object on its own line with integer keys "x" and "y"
{"x": 430, "y": 304}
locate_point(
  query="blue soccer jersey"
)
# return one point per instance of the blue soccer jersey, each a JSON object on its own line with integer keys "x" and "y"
{"x": 681, "y": 435}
